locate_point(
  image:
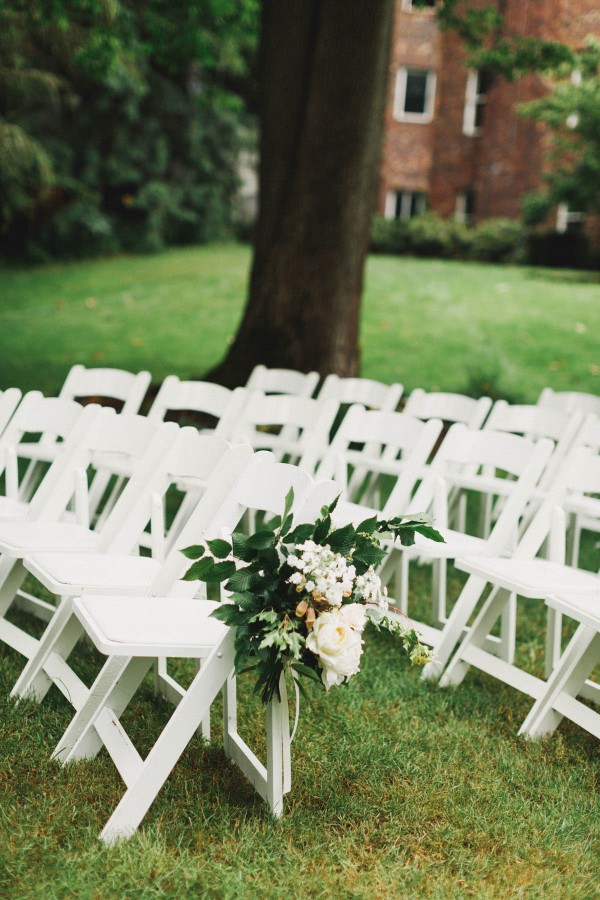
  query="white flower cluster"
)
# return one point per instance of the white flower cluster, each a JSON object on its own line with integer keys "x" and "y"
{"x": 324, "y": 574}
{"x": 368, "y": 587}
{"x": 336, "y": 640}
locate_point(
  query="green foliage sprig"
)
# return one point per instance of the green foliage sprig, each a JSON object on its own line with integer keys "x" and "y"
{"x": 277, "y": 610}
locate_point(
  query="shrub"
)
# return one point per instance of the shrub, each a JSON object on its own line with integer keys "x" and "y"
{"x": 388, "y": 236}
{"x": 499, "y": 241}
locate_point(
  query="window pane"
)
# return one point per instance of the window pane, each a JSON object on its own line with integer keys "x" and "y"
{"x": 416, "y": 92}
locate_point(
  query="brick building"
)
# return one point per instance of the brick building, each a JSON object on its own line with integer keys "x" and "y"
{"x": 454, "y": 141}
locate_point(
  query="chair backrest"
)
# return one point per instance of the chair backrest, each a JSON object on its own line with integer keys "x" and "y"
{"x": 304, "y": 424}
{"x": 108, "y": 384}
{"x": 536, "y": 422}
{"x": 369, "y": 393}
{"x": 589, "y": 435}
{"x": 570, "y": 401}
{"x": 392, "y": 443}
{"x": 579, "y": 474}
{"x": 242, "y": 481}
{"x": 48, "y": 419}
{"x": 203, "y": 397}
{"x": 478, "y": 461}
{"x": 176, "y": 457}
{"x": 448, "y": 407}
{"x": 9, "y": 400}
{"x": 121, "y": 445}
{"x": 282, "y": 381}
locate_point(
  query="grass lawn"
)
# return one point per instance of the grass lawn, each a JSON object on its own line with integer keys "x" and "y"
{"x": 400, "y": 789}
{"x": 426, "y": 323}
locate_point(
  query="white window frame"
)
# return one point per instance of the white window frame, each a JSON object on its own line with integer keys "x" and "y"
{"x": 566, "y": 217}
{"x": 460, "y": 209}
{"x": 406, "y": 200}
{"x": 473, "y": 100}
{"x": 400, "y": 96}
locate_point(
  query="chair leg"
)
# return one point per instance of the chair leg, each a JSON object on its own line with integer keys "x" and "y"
{"x": 553, "y": 640}
{"x": 508, "y": 630}
{"x": 488, "y": 615}
{"x": 576, "y": 663}
{"x": 61, "y": 635}
{"x": 170, "y": 745}
{"x": 229, "y": 713}
{"x": 454, "y": 627}
{"x": 438, "y": 591}
{"x": 113, "y": 688}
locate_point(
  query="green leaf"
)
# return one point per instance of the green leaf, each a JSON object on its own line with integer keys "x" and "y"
{"x": 219, "y": 548}
{"x": 303, "y": 669}
{"x": 198, "y": 570}
{"x": 230, "y": 615}
{"x": 289, "y": 502}
{"x": 245, "y": 599}
{"x": 287, "y": 524}
{"x": 322, "y": 530}
{"x": 261, "y": 540}
{"x": 431, "y": 533}
{"x": 299, "y": 534}
{"x": 194, "y": 552}
{"x": 369, "y": 555}
{"x": 239, "y": 542}
{"x": 220, "y": 572}
{"x": 368, "y": 526}
{"x": 242, "y": 580}
{"x": 342, "y": 539}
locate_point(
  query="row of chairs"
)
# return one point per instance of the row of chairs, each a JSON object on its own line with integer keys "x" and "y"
{"x": 379, "y": 458}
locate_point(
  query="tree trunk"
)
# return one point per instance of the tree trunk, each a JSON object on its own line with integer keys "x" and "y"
{"x": 323, "y": 83}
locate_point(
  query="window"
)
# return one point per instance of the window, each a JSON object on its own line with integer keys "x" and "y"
{"x": 465, "y": 206}
{"x": 404, "y": 204}
{"x": 565, "y": 218}
{"x": 478, "y": 83}
{"x": 417, "y": 5}
{"x": 415, "y": 93}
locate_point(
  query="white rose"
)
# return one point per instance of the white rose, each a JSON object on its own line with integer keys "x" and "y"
{"x": 353, "y": 614}
{"x": 338, "y": 647}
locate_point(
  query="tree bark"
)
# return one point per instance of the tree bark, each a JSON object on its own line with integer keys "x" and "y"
{"x": 323, "y": 73}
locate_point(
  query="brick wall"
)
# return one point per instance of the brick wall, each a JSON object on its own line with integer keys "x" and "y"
{"x": 506, "y": 159}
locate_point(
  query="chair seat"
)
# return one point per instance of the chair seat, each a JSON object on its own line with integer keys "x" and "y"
{"x": 12, "y": 509}
{"x": 23, "y": 538}
{"x": 150, "y": 626}
{"x": 585, "y": 609}
{"x": 77, "y": 573}
{"x": 456, "y": 544}
{"x": 531, "y": 577}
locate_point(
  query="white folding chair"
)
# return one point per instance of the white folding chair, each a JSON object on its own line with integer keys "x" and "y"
{"x": 112, "y": 569}
{"x": 369, "y": 393}
{"x": 9, "y": 400}
{"x": 559, "y": 698}
{"x": 125, "y": 438}
{"x": 202, "y": 397}
{"x": 134, "y": 632}
{"x": 51, "y": 420}
{"x": 127, "y": 388}
{"x": 570, "y": 401}
{"x": 448, "y": 407}
{"x": 294, "y": 428}
{"x": 282, "y": 381}
{"x": 537, "y": 422}
{"x": 108, "y": 385}
{"x": 584, "y": 511}
{"x": 369, "y": 445}
{"x": 477, "y": 461}
{"x": 521, "y": 574}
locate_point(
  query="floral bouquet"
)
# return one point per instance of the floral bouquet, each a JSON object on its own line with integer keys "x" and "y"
{"x": 301, "y": 597}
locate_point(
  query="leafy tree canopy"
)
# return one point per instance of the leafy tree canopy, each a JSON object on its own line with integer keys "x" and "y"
{"x": 120, "y": 121}
{"x": 572, "y": 112}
